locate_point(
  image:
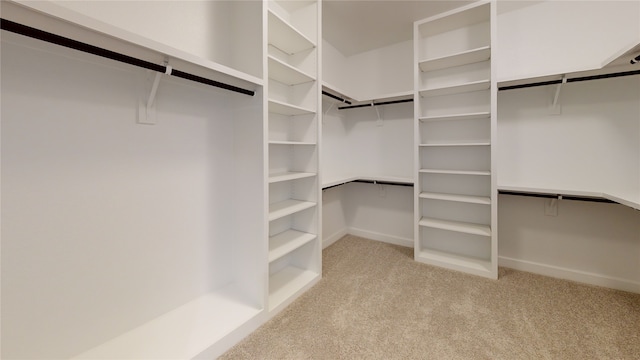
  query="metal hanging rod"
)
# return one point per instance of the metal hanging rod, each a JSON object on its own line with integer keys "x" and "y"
{"x": 375, "y": 104}
{"x": 557, "y": 196}
{"x": 377, "y": 182}
{"x": 336, "y": 97}
{"x": 84, "y": 47}
{"x": 576, "y": 79}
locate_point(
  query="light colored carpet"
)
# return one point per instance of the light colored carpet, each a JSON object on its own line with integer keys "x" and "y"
{"x": 375, "y": 302}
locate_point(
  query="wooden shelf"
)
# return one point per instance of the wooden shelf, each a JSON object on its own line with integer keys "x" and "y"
{"x": 274, "y": 178}
{"x": 454, "y": 261}
{"x": 286, "y": 283}
{"x": 288, "y": 207}
{"x": 454, "y": 117}
{"x": 286, "y": 242}
{"x": 287, "y": 74}
{"x": 280, "y": 107}
{"x": 456, "y": 89}
{"x": 278, "y": 142}
{"x": 455, "y": 197}
{"x": 457, "y": 226}
{"x": 457, "y": 144}
{"x": 454, "y": 172}
{"x": 182, "y": 333}
{"x": 285, "y": 37}
{"x": 458, "y": 59}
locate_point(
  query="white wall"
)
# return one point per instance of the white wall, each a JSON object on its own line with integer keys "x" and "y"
{"x": 588, "y": 242}
{"x": 107, "y": 223}
{"x": 592, "y": 145}
{"x": 557, "y": 37}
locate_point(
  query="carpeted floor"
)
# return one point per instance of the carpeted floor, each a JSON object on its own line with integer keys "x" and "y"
{"x": 375, "y": 302}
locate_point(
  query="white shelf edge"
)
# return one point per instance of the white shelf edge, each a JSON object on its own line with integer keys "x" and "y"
{"x": 454, "y": 172}
{"x": 90, "y": 24}
{"x": 288, "y": 207}
{"x": 181, "y": 333}
{"x": 287, "y": 283}
{"x": 274, "y": 178}
{"x": 454, "y": 117}
{"x": 456, "y": 197}
{"x": 287, "y": 241}
{"x": 456, "y": 89}
{"x": 455, "y": 262}
{"x": 554, "y": 191}
{"x": 458, "y": 59}
{"x": 347, "y": 179}
{"x": 294, "y": 43}
{"x": 283, "y": 108}
{"x": 287, "y": 74}
{"x": 284, "y": 142}
{"x": 455, "y": 144}
{"x": 457, "y": 226}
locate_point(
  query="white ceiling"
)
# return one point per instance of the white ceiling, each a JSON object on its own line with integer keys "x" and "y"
{"x": 355, "y": 26}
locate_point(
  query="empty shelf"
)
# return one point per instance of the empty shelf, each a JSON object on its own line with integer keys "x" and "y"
{"x": 280, "y": 107}
{"x": 288, "y": 207}
{"x": 458, "y": 144}
{"x": 287, "y": 282}
{"x": 456, "y": 89}
{"x": 453, "y": 117}
{"x": 454, "y": 261}
{"x": 287, "y": 241}
{"x": 455, "y": 172}
{"x": 458, "y": 226}
{"x": 458, "y": 59}
{"x": 182, "y": 333}
{"x": 273, "y": 178}
{"x": 286, "y": 73}
{"x": 455, "y": 197}
{"x": 279, "y": 142}
{"x": 285, "y": 37}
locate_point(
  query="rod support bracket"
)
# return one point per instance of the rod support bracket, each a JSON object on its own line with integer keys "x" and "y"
{"x": 146, "y": 108}
{"x": 556, "y": 108}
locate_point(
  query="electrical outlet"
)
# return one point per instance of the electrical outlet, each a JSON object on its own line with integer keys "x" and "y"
{"x": 551, "y": 207}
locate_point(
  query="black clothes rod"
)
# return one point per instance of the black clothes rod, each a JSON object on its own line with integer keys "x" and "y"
{"x": 375, "y": 104}
{"x": 557, "y": 196}
{"x": 577, "y": 79}
{"x": 378, "y": 182}
{"x": 84, "y": 47}
{"x": 336, "y": 97}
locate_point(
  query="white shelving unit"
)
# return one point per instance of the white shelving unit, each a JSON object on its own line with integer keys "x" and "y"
{"x": 293, "y": 119}
{"x": 455, "y": 208}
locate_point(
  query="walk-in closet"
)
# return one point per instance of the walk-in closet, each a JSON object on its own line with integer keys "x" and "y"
{"x": 171, "y": 171}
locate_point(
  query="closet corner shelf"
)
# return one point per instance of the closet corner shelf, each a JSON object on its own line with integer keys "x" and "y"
{"x": 456, "y": 262}
{"x": 453, "y": 144}
{"x": 458, "y": 226}
{"x": 456, "y": 89}
{"x": 287, "y": 74}
{"x": 285, "y": 142}
{"x": 175, "y": 334}
{"x": 75, "y": 25}
{"x": 287, "y": 283}
{"x": 288, "y": 207}
{"x": 274, "y": 178}
{"x": 456, "y": 197}
{"x": 285, "y": 37}
{"x": 282, "y": 108}
{"x": 458, "y": 59}
{"x": 286, "y": 242}
{"x": 455, "y": 172}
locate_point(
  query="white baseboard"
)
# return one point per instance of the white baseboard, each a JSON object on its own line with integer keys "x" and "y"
{"x": 570, "y": 274}
{"x": 381, "y": 237}
{"x": 333, "y": 238}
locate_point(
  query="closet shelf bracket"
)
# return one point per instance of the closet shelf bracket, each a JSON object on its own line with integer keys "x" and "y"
{"x": 555, "y": 107}
{"x": 147, "y": 110}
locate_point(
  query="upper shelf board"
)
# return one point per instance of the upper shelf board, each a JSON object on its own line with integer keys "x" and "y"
{"x": 287, "y": 74}
{"x": 456, "y": 89}
{"x": 475, "y": 13}
{"x": 458, "y": 59}
{"x": 287, "y": 38}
